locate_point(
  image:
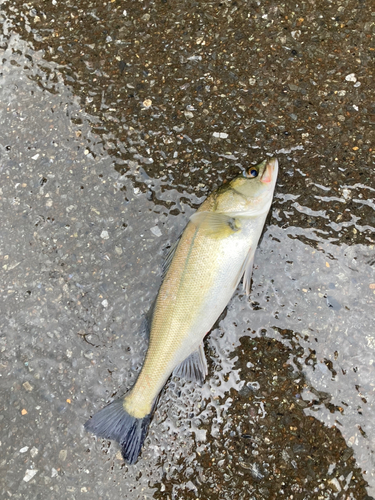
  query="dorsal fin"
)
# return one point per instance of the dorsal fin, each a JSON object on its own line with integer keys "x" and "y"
{"x": 169, "y": 257}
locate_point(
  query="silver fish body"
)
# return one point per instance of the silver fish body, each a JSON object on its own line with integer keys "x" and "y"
{"x": 215, "y": 251}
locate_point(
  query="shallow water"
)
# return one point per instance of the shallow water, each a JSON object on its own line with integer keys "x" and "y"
{"x": 96, "y": 183}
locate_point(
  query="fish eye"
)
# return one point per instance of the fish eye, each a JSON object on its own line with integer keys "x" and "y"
{"x": 253, "y": 173}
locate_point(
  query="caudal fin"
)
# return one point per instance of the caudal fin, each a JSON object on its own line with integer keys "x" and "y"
{"x": 113, "y": 422}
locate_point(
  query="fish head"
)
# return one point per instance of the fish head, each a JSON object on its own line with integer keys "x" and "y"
{"x": 250, "y": 194}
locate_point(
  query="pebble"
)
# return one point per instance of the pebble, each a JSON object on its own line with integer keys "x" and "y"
{"x": 30, "y": 473}
{"x": 156, "y": 231}
{"x": 27, "y": 386}
{"x": 335, "y": 484}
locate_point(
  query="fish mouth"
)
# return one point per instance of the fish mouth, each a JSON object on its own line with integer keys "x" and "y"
{"x": 270, "y": 171}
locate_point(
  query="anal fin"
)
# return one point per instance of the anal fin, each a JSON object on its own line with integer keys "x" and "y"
{"x": 194, "y": 367}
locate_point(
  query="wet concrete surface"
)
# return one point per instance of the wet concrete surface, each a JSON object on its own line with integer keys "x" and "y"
{"x": 116, "y": 121}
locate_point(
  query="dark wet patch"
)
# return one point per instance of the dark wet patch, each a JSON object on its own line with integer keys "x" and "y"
{"x": 267, "y": 447}
{"x": 189, "y": 93}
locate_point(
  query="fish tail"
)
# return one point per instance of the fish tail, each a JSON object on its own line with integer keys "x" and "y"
{"x": 114, "y": 422}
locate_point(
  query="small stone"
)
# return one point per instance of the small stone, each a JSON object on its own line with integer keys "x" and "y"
{"x": 62, "y": 455}
{"x": 24, "y": 449}
{"x": 147, "y": 103}
{"x": 335, "y": 484}
{"x": 54, "y": 472}
{"x": 347, "y": 194}
{"x": 156, "y": 231}
{"x": 34, "y": 451}
{"x": 105, "y": 303}
{"x": 220, "y": 135}
{"x": 118, "y": 250}
{"x": 351, "y": 78}
{"x": 27, "y": 386}
{"x": 30, "y": 473}
{"x": 104, "y": 235}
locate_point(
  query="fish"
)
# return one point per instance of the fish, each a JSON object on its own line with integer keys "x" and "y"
{"x": 202, "y": 272}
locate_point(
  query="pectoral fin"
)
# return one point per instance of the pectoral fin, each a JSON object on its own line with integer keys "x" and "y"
{"x": 194, "y": 367}
{"x": 216, "y": 223}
